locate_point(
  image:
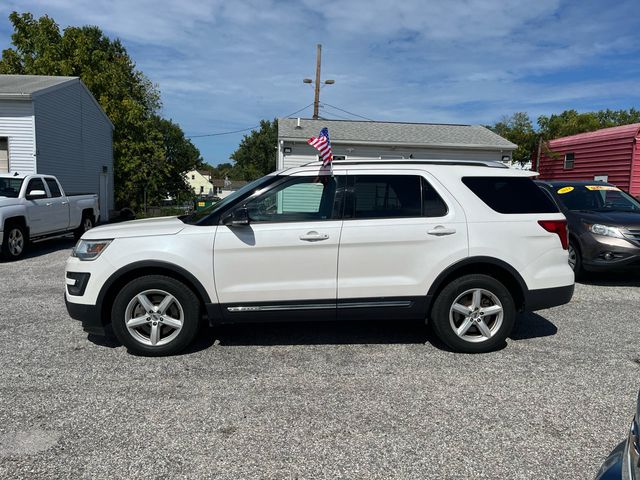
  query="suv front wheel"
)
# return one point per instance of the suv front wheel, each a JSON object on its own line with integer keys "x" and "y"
{"x": 473, "y": 314}
{"x": 155, "y": 315}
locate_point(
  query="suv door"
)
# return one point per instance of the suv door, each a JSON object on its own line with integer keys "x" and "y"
{"x": 401, "y": 230}
{"x": 284, "y": 262}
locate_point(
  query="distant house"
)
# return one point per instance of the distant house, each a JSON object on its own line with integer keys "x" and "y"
{"x": 389, "y": 140}
{"x": 200, "y": 182}
{"x": 54, "y": 126}
{"x": 226, "y": 187}
{"x": 610, "y": 155}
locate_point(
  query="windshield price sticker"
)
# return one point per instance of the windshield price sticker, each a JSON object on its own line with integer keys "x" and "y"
{"x": 564, "y": 190}
{"x": 602, "y": 187}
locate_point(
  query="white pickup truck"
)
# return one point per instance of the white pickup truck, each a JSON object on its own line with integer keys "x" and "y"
{"x": 35, "y": 207}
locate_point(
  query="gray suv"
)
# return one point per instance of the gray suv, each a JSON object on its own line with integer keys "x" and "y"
{"x": 604, "y": 224}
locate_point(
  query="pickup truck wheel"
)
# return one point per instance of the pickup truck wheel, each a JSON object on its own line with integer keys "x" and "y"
{"x": 85, "y": 225}
{"x": 473, "y": 314}
{"x": 155, "y": 316}
{"x": 14, "y": 242}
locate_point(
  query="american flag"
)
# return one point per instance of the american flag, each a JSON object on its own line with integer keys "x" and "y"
{"x": 323, "y": 145}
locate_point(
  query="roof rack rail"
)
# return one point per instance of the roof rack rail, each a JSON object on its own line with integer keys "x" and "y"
{"x": 416, "y": 161}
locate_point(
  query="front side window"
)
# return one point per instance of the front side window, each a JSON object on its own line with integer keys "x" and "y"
{"x": 35, "y": 184}
{"x": 298, "y": 200}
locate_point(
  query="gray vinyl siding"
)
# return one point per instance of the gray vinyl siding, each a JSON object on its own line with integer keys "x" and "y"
{"x": 302, "y": 198}
{"x": 16, "y": 123}
{"x": 74, "y": 139}
{"x": 302, "y": 153}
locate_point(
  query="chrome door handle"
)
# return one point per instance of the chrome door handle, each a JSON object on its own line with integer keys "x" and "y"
{"x": 313, "y": 237}
{"x": 441, "y": 231}
{"x": 65, "y": 203}
{"x": 48, "y": 204}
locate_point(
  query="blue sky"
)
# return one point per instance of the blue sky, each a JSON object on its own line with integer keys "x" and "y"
{"x": 224, "y": 65}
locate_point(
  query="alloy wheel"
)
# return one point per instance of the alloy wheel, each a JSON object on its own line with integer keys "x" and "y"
{"x": 154, "y": 317}
{"x": 476, "y": 315}
{"x": 15, "y": 242}
{"x": 573, "y": 257}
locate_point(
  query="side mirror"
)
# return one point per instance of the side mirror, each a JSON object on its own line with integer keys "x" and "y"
{"x": 36, "y": 194}
{"x": 238, "y": 218}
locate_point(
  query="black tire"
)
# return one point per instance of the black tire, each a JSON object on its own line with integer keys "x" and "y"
{"x": 86, "y": 224}
{"x": 12, "y": 233}
{"x": 127, "y": 305}
{"x": 473, "y": 341}
{"x": 578, "y": 270}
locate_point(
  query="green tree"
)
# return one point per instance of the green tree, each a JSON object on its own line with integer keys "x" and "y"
{"x": 518, "y": 129}
{"x": 179, "y": 156}
{"x": 257, "y": 153}
{"x": 127, "y": 96}
{"x": 569, "y": 122}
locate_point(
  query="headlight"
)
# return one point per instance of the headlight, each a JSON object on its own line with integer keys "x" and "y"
{"x": 89, "y": 249}
{"x": 605, "y": 230}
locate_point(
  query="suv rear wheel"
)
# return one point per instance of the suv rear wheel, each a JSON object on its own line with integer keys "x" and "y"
{"x": 473, "y": 314}
{"x": 155, "y": 316}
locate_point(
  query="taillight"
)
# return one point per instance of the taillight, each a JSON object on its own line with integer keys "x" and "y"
{"x": 559, "y": 227}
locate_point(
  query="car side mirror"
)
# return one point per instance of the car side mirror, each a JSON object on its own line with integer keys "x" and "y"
{"x": 239, "y": 217}
{"x": 36, "y": 194}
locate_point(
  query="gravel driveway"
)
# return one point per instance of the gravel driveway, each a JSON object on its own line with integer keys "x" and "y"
{"x": 356, "y": 400}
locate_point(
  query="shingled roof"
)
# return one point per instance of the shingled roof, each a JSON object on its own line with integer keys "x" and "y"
{"x": 394, "y": 133}
{"x": 27, "y": 85}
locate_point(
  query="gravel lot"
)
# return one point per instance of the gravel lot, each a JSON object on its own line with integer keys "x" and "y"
{"x": 357, "y": 400}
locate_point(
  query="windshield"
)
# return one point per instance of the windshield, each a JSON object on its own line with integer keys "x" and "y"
{"x": 10, "y": 187}
{"x": 195, "y": 217}
{"x": 596, "y": 198}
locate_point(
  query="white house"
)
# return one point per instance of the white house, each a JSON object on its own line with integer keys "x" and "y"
{"x": 54, "y": 126}
{"x": 389, "y": 140}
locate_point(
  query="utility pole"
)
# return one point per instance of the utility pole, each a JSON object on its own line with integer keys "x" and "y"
{"x": 316, "y": 99}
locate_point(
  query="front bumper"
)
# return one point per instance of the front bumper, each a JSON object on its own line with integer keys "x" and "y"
{"x": 608, "y": 253}
{"x": 89, "y": 315}
{"x": 548, "y": 297}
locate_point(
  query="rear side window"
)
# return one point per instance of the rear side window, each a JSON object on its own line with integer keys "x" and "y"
{"x": 53, "y": 187}
{"x": 510, "y": 194}
{"x": 395, "y": 196}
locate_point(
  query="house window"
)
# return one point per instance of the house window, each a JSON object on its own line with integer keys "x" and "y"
{"x": 569, "y": 159}
{"x": 4, "y": 155}
{"x": 193, "y": 177}
{"x": 201, "y": 189}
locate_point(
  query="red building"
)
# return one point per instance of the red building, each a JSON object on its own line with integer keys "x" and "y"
{"x": 611, "y": 155}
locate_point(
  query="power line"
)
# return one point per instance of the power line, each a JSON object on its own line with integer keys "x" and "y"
{"x": 223, "y": 133}
{"x": 244, "y": 129}
{"x": 333, "y": 114}
{"x": 347, "y": 111}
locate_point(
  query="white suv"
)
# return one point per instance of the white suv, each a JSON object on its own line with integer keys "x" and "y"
{"x": 463, "y": 245}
